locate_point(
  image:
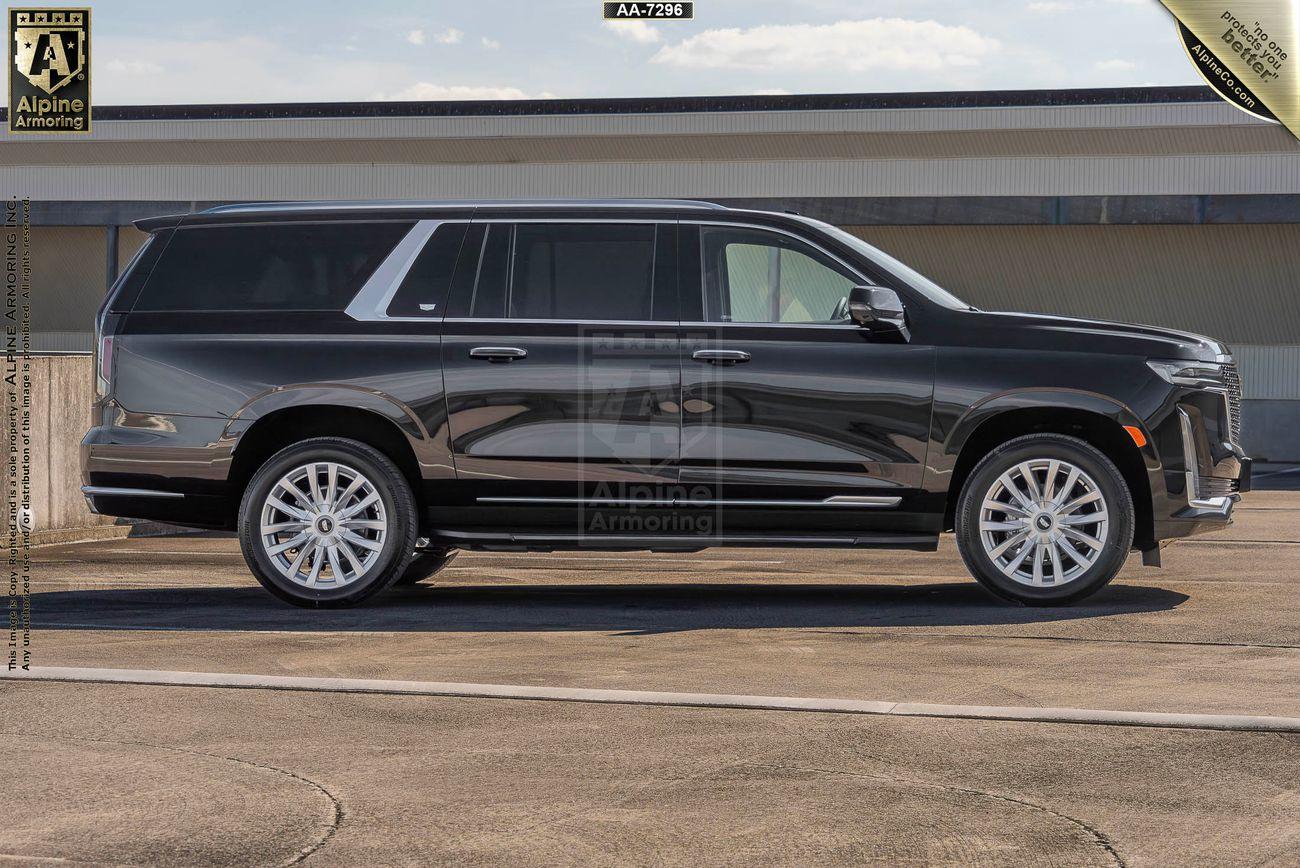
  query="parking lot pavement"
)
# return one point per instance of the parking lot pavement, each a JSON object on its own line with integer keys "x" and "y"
{"x": 259, "y": 775}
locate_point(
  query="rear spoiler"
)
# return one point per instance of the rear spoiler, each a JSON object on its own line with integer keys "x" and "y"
{"x": 153, "y": 224}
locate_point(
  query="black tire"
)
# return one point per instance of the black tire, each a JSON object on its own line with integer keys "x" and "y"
{"x": 399, "y": 507}
{"x": 424, "y": 565}
{"x": 1116, "y": 499}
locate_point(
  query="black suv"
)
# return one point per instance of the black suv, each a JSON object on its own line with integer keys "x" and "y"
{"x": 361, "y": 389}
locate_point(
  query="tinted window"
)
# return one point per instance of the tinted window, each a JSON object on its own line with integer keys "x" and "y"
{"x": 756, "y": 276}
{"x": 284, "y": 267}
{"x": 573, "y": 271}
{"x": 425, "y": 286}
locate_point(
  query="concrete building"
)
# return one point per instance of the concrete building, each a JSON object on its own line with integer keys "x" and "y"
{"x": 1164, "y": 206}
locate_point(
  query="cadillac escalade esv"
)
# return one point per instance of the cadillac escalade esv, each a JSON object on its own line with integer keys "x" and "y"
{"x": 361, "y": 389}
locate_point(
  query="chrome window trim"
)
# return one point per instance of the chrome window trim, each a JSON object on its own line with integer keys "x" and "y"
{"x": 796, "y": 236}
{"x": 370, "y": 304}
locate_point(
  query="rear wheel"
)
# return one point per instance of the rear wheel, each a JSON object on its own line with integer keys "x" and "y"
{"x": 327, "y": 522}
{"x": 1045, "y": 519}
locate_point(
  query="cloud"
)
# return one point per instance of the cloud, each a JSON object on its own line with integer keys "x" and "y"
{"x": 450, "y": 36}
{"x": 490, "y": 43}
{"x": 1049, "y": 6}
{"x": 133, "y": 67}
{"x": 772, "y": 91}
{"x": 426, "y": 91}
{"x": 1114, "y": 65}
{"x": 889, "y": 43}
{"x": 634, "y": 31}
{"x": 253, "y": 69}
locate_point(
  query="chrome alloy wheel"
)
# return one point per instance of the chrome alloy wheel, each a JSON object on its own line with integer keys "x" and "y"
{"x": 1044, "y": 522}
{"x": 323, "y": 525}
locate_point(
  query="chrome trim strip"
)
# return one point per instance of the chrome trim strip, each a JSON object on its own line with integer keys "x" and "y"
{"x": 1222, "y": 503}
{"x": 109, "y": 491}
{"x": 841, "y": 501}
{"x": 862, "y": 500}
{"x": 370, "y": 304}
{"x": 1189, "y": 455}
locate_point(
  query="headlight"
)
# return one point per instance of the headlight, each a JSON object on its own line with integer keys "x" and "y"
{"x": 1208, "y": 375}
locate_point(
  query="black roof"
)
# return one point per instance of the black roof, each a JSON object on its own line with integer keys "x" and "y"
{"x": 658, "y": 105}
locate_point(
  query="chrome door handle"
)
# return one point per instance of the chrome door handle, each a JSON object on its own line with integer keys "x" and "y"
{"x": 721, "y": 357}
{"x": 498, "y": 354}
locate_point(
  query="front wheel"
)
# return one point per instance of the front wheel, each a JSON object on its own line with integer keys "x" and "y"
{"x": 327, "y": 522}
{"x": 1044, "y": 520}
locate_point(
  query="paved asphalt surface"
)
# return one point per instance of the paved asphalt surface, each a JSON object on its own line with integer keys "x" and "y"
{"x": 130, "y": 774}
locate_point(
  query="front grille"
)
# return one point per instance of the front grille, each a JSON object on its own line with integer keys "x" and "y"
{"x": 1213, "y": 486}
{"x": 1232, "y": 380}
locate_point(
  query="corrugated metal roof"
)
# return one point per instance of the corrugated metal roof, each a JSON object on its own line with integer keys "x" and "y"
{"x": 1120, "y": 142}
{"x": 1005, "y": 176}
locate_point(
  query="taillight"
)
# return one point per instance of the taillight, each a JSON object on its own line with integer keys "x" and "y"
{"x": 103, "y": 366}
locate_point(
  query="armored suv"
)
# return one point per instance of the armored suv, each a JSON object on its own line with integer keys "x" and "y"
{"x": 360, "y": 389}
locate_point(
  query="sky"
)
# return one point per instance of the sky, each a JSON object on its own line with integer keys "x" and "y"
{"x": 196, "y": 51}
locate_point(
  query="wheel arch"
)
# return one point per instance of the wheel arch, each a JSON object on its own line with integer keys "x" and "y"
{"x": 286, "y": 425}
{"x": 1095, "y": 419}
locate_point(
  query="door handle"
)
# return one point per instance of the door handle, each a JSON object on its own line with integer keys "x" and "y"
{"x": 721, "y": 357}
{"x": 498, "y": 354}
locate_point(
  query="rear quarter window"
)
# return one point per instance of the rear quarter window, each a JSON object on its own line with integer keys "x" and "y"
{"x": 256, "y": 267}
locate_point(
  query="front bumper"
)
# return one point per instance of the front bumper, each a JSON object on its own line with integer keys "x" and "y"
{"x": 1205, "y": 471}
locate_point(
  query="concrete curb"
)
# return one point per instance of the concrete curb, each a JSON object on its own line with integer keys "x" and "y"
{"x": 99, "y": 533}
{"x": 1100, "y": 717}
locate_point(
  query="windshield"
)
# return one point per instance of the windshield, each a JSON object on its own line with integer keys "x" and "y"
{"x": 905, "y": 273}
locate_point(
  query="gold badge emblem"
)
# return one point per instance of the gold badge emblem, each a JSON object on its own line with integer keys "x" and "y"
{"x": 49, "y": 80}
{"x": 50, "y": 47}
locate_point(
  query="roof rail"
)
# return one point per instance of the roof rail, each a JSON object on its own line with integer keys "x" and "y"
{"x": 380, "y": 204}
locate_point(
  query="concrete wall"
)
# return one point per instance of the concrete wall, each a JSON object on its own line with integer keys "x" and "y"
{"x": 61, "y": 397}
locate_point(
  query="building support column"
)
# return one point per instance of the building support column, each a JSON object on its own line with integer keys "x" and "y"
{"x": 110, "y": 254}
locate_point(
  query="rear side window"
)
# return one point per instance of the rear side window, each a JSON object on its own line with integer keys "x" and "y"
{"x": 425, "y": 286}
{"x": 280, "y": 267}
{"x": 565, "y": 271}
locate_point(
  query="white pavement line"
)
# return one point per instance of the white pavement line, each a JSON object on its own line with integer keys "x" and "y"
{"x": 1236, "y": 722}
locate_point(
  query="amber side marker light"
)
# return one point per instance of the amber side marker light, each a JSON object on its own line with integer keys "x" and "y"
{"x": 1136, "y": 433}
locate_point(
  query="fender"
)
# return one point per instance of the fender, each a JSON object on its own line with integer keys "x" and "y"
{"x": 955, "y": 436}
{"x": 432, "y": 455}
{"x": 1048, "y": 398}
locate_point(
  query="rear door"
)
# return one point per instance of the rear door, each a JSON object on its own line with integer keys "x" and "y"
{"x": 560, "y": 358}
{"x": 793, "y": 416}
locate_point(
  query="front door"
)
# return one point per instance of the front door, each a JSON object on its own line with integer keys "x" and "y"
{"x": 560, "y": 359}
{"x": 795, "y": 418}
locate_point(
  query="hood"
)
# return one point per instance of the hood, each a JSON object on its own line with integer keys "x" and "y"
{"x": 1040, "y": 331}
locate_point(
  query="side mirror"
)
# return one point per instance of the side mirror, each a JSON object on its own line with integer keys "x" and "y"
{"x": 877, "y": 308}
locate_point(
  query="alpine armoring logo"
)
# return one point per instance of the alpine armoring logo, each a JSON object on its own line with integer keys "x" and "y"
{"x": 49, "y": 80}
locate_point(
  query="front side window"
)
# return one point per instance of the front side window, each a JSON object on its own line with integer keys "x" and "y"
{"x": 559, "y": 271}
{"x": 755, "y": 276}
{"x": 306, "y": 266}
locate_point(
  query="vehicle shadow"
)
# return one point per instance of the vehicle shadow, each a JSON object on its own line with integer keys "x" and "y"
{"x": 626, "y": 609}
